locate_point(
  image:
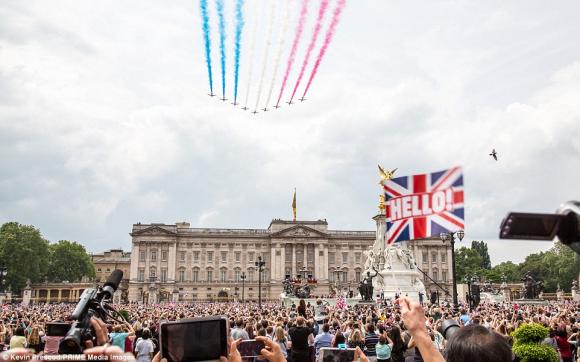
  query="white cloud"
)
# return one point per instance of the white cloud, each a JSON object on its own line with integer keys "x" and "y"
{"x": 105, "y": 121}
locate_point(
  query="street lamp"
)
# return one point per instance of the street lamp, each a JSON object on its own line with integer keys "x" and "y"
{"x": 3, "y": 271}
{"x": 451, "y": 238}
{"x": 260, "y": 265}
{"x": 243, "y": 277}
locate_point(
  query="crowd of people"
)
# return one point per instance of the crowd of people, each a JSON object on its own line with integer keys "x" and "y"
{"x": 399, "y": 331}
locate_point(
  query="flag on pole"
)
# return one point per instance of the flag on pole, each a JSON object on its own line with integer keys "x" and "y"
{"x": 294, "y": 205}
{"x": 420, "y": 206}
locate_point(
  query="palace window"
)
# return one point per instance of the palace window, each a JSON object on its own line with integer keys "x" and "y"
{"x": 357, "y": 276}
{"x": 209, "y": 275}
{"x": 195, "y": 275}
{"x": 251, "y": 275}
{"x": 142, "y": 255}
{"x": 288, "y": 253}
{"x": 425, "y": 257}
{"x": 222, "y": 275}
{"x": 163, "y": 275}
{"x": 344, "y": 276}
{"x": 210, "y": 256}
{"x": 435, "y": 274}
{"x": 153, "y": 255}
{"x": 163, "y": 255}
{"x": 310, "y": 253}
{"x": 251, "y": 256}
{"x": 182, "y": 275}
{"x": 331, "y": 257}
{"x": 444, "y": 275}
{"x": 224, "y": 256}
{"x": 237, "y": 275}
{"x": 357, "y": 257}
{"x": 182, "y": 256}
{"x": 196, "y": 256}
{"x": 152, "y": 273}
{"x": 434, "y": 257}
{"x": 443, "y": 257}
{"x": 238, "y": 256}
{"x": 344, "y": 258}
{"x": 141, "y": 275}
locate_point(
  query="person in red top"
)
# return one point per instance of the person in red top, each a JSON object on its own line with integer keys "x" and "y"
{"x": 564, "y": 346}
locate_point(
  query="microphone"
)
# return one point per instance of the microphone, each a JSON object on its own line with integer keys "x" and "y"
{"x": 112, "y": 283}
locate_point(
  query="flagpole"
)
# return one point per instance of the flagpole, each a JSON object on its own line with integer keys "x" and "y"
{"x": 294, "y": 205}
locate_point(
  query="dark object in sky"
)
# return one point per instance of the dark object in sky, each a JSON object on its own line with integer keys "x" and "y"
{"x": 493, "y": 154}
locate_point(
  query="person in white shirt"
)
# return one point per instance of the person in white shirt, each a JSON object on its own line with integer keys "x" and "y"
{"x": 144, "y": 347}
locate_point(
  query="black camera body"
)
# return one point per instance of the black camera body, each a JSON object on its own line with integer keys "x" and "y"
{"x": 564, "y": 224}
{"x": 91, "y": 304}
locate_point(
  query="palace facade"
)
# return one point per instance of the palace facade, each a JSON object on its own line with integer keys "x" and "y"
{"x": 175, "y": 262}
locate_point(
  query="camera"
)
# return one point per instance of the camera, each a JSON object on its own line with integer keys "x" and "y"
{"x": 564, "y": 224}
{"x": 448, "y": 328}
{"x": 92, "y": 303}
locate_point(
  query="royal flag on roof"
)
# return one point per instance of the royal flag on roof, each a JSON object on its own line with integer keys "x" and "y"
{"x": 421, "y": 206}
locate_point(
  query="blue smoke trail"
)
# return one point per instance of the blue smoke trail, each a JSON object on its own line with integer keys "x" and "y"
{"x": 222, "y": 27}
{"x": 239, "y": 28}
{"x": 207, "y": 40}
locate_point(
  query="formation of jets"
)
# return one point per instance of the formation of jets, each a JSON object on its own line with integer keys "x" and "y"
{"x": 245, "y": 108}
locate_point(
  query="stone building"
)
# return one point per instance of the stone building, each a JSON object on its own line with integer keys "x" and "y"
{"x": 174, "y": 262}
{"x": 110, "y": 260}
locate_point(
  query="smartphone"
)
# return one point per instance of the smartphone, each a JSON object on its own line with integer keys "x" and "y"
{"x": 198, "y": 339}
{"x": 57, "y": 329}
{"x": 337, "y": 354}
{"x": 250, "y": 348}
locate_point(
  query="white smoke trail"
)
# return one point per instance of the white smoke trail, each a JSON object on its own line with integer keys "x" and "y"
{"x": 266, "y": 53}
{"x": 281, "y": 43}
{"x": 251, "y": 55}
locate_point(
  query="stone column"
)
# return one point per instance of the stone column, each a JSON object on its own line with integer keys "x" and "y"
{"x": 59, "y": 295}
{"x": 273, "y": 262}
{"x": 282, "y": 261}
{"x": 324, "y": 264}
{"x": 134, "y": 261}
{"x": 171, "y": 258}
{"x": 48, "y": 295}
{"x": 317, "y": 268}
{"x": 293, "y": 260}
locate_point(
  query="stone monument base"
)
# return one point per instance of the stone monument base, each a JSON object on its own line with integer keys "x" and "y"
{"x": 405, "y": 283}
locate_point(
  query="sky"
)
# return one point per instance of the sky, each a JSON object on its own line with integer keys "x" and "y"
{"x": 105, "y": 119}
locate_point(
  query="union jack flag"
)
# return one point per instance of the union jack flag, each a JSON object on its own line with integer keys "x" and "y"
{"x": 424, "y": 205}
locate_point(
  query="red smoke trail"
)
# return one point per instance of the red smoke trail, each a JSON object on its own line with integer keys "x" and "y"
{"x": 327, "y": 40}
{"x": 299, "y": 30}
{"x": 321, "y": 12}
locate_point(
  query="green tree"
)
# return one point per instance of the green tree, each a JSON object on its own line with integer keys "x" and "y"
{"x": 24, "y": 252}
{"x": 481, "y": 248}
{"x": 69, "y": 261}
{"x": 467, "y": 262}
{"x": 509, "y": 270}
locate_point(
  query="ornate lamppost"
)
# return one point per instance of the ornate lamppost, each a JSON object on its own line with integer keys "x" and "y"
{"x": 260, "y": 265}
{"x": 451, "y": 238}
{"x": 243, "y": 277}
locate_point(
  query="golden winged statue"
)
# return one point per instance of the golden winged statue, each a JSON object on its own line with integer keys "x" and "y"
{"x": 386, "y": 175}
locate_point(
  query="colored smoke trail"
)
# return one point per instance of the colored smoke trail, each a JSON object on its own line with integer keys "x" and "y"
{"x": 207, "y": 40}
{"x": 222, "y": 27}
{"x": 327, "y": 40}
{"x": 266, "y": 53}
{"x": 251, "y": 60}
{"x": 321, "y": 12}
{"x": 299, "y": 29}
{"x": 281, "y": 42}
{"x": 238, "y": 41}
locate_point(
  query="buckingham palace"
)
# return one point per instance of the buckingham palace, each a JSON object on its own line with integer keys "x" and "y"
{"x": 175, "y": 262}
